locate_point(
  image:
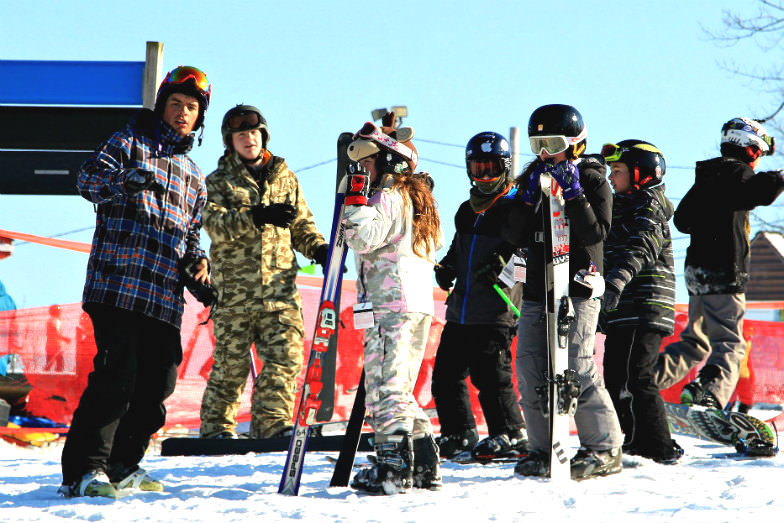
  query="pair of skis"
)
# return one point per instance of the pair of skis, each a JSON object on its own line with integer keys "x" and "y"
{"x": 325, "y": 335}
{"x": 326, "y": 329}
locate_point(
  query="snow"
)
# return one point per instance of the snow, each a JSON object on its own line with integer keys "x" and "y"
{"x": 705, "y": 485}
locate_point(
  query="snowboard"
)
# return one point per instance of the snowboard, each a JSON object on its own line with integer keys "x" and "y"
{"x": 221, "y": 447}
{"x": 561, "y": 400}
{"x": 749, "y": 435}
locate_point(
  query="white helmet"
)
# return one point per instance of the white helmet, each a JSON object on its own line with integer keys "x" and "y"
{"x": 745, "y": 132}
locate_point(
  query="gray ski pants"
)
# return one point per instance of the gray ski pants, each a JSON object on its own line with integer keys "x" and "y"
{"x": 715, "y": 329}
{"x": 596, "y": 420}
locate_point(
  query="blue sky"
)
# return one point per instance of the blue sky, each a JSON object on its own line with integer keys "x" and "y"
{"x": 315, "y": 69}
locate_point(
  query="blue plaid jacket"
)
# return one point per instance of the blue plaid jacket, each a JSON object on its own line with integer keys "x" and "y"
{"x": 140, "y": 239}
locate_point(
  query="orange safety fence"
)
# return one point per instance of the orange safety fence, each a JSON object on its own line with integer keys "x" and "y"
{"x": 57, "y": 360}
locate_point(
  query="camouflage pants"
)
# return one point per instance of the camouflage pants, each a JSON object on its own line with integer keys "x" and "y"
{"x": 394, "y": 348}
{"x": 278, "y": 340}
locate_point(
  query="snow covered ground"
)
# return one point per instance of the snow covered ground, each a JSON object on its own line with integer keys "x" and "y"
{"x": 705, "y": 486}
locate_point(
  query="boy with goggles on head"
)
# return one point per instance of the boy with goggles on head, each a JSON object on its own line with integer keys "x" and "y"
{"x": 149, "y": 197}
{"x": 256, "y": 217}
{"x": 638, "y": 304}
{"x": 479, "y": 324}
{"x": 558, "y": 137}
{"x": 715, "y": 213}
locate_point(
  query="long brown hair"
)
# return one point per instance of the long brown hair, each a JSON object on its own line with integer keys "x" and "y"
{"x": 427, "y": 225}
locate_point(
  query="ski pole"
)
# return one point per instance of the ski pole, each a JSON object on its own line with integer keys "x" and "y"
{"x": 506, "y": 299}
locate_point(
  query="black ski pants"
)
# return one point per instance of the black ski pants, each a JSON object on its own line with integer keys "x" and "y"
{"x": 630, "y": 354}
{"x": 483, "y": 353}
{"x": 135, "y": 370}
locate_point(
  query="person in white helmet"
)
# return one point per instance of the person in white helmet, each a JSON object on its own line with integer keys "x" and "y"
{"x": 715, "y": 213}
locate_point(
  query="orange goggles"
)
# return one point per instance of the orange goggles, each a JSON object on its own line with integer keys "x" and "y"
{"x": 183, "y": 73}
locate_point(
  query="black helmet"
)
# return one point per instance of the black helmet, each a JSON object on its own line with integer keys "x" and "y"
{"x": 557, "y": 128}
{"x": 187, "y": 80}
{"x": 645, "y": 161}
{"x": 493, "y": 147}
{"x": 243, "y": 118}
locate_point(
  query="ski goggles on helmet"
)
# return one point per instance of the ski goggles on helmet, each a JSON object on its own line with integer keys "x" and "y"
{"x": 485, "y": 169}
{"x": 183, "y": 73}
{"x": 551, "y": 145}
{"x": 244, "y": 120}
{"x": 613, "y": 153}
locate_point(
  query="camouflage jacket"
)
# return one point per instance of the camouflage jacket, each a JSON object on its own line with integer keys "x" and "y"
{"x": 389, "y": 274}
{"x": 255, "y": 268}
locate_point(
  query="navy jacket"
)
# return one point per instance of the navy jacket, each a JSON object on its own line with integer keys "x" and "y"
{"x": 477, "y": 237}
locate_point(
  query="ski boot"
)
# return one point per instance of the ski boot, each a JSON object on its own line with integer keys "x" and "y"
{"x": 696, "y": 393}
{"x": 589, "y": 463}
{"x": 427, "y": 468}
{"x": 535, "y": 464}
{"x": 507, "y": 444}
{"x": 390, "y": 471}
{"x": 450, "y": 445}
{"x": 93, "y": 484}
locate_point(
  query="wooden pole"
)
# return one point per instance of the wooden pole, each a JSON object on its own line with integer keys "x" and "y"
{"x": 152, "y": 73}
{"x": 514, "y": 141}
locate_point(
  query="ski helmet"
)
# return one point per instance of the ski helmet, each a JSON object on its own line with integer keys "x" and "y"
{"x": 186, "y": 80}
{"x": 488, "y": 147}
{"x": 645, "y": 161}
{"x": 243, "y": 117}
{"x": 362, "y": 148}
{"x": 557, "y": 128}
{"x": 746, "y": 139}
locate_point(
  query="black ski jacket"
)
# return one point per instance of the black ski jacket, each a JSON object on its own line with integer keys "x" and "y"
{"x": 638, "y": 261}
{"x": 589, "y": 221}
{"x": 715, "y": 212}
{"x": 477, "y": 237}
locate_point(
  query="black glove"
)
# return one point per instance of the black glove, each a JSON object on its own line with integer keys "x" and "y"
{"x": 357, "y": 189}
{"x": 445, "y": 275}
{"x": 204, "y": 292}
{"x": 489, "y": 271}
{"x": 277, "y": 214}
{"x": 320, "y": 255}
{"x": 137, "y": 180}
{"x": 610, "y": 298}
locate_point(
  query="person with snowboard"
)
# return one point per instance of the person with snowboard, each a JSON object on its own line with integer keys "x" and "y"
{"x": 392, "y": 224}
{"x": 558, "y": 136}
{"x": 148, "y": 195}
{"x": 479, "y": 324}
{"x": 638, "y": 305}
{"x": 256, "y": 216}
{"x": 715, "y": 214}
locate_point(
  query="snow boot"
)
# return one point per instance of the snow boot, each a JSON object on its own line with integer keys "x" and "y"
{"x": 506, "y": 444}
{"x": 535, "y": 464}
{"x": 589, "y": 463}
{"x": 94, "y": 484}
{"x": 427, "y": 468}
{"x": 390, "y": 471}
{"x": 666, "y": 459}
{"x": 450, "y": 445}
{"x": 696, "y": 393}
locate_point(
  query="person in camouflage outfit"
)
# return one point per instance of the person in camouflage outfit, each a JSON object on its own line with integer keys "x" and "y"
{"x": 393, "y": 227}
{"x": 256, "y": 216}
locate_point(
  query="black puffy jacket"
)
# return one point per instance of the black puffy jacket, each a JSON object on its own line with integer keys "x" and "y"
{"x": 715, "y": 212}
{"x": 589, "y": 221}
{"x": 638, "y": 261}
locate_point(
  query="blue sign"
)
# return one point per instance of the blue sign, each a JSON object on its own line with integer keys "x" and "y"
{"x": 47, "y": 82}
